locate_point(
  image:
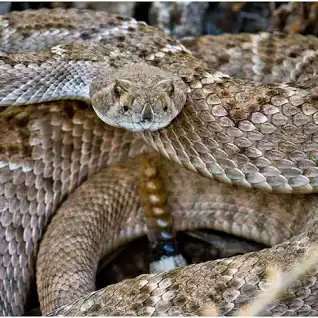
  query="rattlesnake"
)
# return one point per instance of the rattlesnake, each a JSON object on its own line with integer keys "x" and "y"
{"x": 244, "y": 131}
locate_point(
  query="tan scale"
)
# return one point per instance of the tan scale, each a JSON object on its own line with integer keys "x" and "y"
{"x": 154, "y": 204}
{"x": 231, "y": 128}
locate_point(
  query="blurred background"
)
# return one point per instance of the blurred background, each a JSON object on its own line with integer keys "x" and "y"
{"x": 188, "y": 18}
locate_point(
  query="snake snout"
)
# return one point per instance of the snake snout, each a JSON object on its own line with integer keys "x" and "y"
{"x": 147, "y": 117}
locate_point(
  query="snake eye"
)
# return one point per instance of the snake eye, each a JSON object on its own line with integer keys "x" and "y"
{"x": 125, "y": 108}
{"x": 165, "y": 109}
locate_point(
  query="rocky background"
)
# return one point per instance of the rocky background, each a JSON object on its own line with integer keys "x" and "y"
{"x": 188, "y": 18}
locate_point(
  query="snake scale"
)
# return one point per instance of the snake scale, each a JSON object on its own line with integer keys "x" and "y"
{"x": 246, "y": 116}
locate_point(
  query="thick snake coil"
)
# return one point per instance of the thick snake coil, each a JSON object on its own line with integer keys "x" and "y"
{"x": 239, "y": 128}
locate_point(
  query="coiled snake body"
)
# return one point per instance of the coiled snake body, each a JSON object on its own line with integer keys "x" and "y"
{"x": 238, "y": 127}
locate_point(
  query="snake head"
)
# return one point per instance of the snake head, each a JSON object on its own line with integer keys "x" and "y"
{"x": 138, "y": 97}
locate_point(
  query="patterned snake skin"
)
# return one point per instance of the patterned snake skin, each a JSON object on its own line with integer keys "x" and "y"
{"x": 239, "y": 128}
